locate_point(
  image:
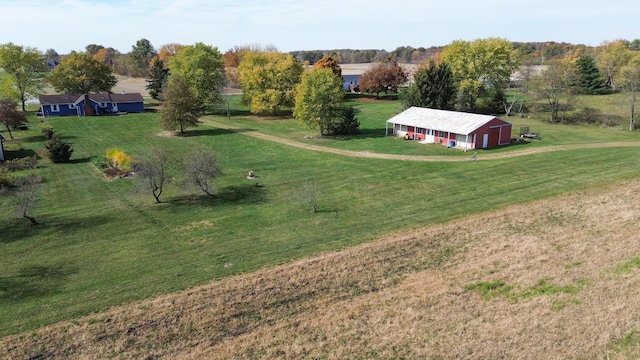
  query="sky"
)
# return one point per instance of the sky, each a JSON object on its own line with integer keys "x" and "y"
{"x": 66, "y": 25}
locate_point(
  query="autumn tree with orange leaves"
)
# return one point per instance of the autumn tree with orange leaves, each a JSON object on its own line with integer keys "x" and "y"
{"x": 329, "y": 62}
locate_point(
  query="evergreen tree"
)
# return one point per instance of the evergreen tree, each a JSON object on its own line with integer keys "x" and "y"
{"x": 348, "y": 124}
{"x": 433, "y": 87}
{"x": 590, "y": 80}
{"x": 158, "y": 79}
{"x": 59, "y": 150}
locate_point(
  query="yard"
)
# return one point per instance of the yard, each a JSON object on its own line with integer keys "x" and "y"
{"x": 102, "y": 245}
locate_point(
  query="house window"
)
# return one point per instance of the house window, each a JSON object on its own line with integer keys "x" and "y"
{"x": 420, "y": 130}
{"x": 55, "y": 108}
{"x": 441, "y": 134}
{"x": 72, "y": 106}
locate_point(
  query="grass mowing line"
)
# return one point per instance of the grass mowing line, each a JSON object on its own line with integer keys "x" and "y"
{"x": 122, "y": 247}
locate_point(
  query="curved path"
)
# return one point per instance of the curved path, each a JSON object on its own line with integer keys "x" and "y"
{"x": 432, "y": 158}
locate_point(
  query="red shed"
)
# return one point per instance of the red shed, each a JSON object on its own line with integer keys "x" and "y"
{"x": 451, "y": 128}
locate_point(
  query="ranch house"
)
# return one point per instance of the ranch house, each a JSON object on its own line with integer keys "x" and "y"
{"x": 351, "y": 83}
{"x": 451, "y": 128}
{"x": 90, "y": 104}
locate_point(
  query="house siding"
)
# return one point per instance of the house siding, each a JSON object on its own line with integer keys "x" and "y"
{"x": 51, "y": 105}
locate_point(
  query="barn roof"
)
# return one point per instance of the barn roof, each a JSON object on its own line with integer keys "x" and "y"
{"x": 442, "y": 120}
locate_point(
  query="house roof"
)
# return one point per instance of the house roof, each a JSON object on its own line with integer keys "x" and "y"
{"x": 126, "y": 97}
{"x": 58, "y": 99}
{"x": 99, "y": 97}
{"x": 442, "y": 120}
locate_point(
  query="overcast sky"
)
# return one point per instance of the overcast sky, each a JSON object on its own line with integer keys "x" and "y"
{"x": 66, "y": 25}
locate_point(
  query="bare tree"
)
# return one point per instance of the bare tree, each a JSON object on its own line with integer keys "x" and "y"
{"x": 201, "y": 168}
{"x": 25, "y": 195}
{"x": 308, "y": 192}
{"x": 152, "y": 172}
{"x": 554, "y": 86}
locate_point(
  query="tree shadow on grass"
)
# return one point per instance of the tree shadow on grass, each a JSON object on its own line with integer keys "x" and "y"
{"x": 210, "y": 132}
{"x": 515, "y": 145}
{"x": 232, "y": 112}
{"x": 362, "y": 134}
{"x": 30, "y": 139}
{"x": 18, "y": 154}
{"x": 229, "y": 196}
{"x": 80, "y": 160}
{"x": 35, "y": 280}
{"x": 17, "y": 228}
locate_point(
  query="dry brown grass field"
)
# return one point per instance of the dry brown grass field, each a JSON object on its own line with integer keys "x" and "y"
{"x": 554, "y": 279}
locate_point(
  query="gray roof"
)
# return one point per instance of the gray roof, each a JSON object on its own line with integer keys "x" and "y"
{"x": 99, "y": 97}
{"x": 442, "y": 120}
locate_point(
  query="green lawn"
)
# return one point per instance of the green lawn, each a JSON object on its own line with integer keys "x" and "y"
{"x": 101, "y": 244}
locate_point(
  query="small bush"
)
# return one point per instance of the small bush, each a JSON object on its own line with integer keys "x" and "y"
{"x": 25, "y": 163}
{"x": 47, "y": 131}
{"x": 59, "y": 151}
{"x": 6, "y": 179}
{"x": 119, "y": 159}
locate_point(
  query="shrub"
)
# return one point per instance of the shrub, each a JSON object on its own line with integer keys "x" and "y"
{"x": 6, "y": 178}
{"x": 47, "y": 131}
{"x": 59, "y": 151}
{"x": 119, "y": 159}
{"x": 25, "y": 163}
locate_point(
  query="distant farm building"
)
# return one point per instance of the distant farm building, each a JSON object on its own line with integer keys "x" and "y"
{"x": 451, "y": 128}
{"x": 90, "y": 104}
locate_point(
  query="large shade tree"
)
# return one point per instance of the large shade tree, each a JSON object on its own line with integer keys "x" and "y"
{"x": 179, "y": 109}
{"x": 479, "y": 65}
{"x": 26, "y": 70}
{"x": 319, "y": 100}
{"x": 269, "y": 80}
{"x": 80, "y": 73}
{"x": 201, "y": 67}
{"x": 611, "y": 57}
{"x": 384, "y": 77}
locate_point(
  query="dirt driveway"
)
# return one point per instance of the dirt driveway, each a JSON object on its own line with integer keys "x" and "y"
{"x": 434, "y": 158}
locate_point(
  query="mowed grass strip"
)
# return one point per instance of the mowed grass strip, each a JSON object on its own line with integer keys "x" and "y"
{"x": 405, "y": 295}
{"x": 101, "y": 244}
